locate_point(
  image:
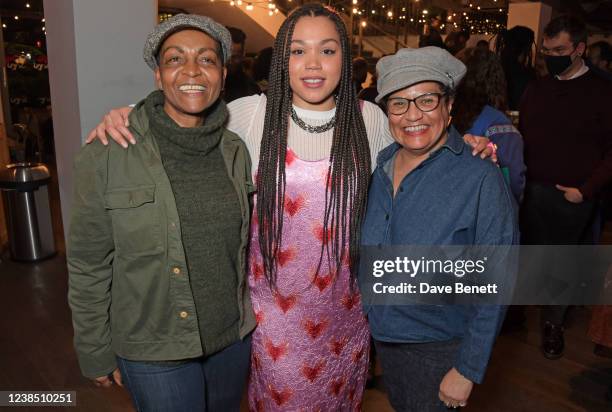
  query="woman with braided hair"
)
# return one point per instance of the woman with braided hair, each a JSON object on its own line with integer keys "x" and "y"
{"x": 311, "y": 346}
{"x": 313, "y": 143}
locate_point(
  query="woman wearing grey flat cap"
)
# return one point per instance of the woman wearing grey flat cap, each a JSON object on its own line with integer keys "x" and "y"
{"x": 427, "y": 189}
{"x": 156, "y": 250}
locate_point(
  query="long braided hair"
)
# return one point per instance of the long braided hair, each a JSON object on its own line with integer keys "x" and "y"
{"x": 349, "y": 161}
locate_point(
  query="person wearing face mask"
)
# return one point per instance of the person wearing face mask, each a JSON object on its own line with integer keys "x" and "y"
{"x": 566, "y": 123}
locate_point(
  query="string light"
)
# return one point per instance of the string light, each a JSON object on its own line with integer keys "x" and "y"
{"x": 364, "y": 24}
{"x": 249, "y": 7}
{"x": 16, "y": 17}
{"x": 3, "y": 25}
{"x": 28, "y": 5}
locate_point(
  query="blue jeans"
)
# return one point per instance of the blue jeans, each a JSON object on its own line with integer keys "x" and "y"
{"x": 211, "y": 384}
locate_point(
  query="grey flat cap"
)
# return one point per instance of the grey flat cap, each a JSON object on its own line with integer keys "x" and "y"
{"x": 411, "y": 66}
{"x": 186, "y": 21}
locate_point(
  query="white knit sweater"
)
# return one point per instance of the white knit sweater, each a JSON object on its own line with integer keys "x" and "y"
{"x": 246, "y": 119}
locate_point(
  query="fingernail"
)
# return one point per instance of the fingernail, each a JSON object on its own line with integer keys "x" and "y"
{"x": 125, "y": 146}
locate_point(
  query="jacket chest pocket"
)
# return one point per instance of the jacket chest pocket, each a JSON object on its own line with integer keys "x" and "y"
{"x": 136, "y": 220}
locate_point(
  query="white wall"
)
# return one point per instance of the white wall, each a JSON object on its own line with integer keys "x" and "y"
{"x": 95, "y": 63}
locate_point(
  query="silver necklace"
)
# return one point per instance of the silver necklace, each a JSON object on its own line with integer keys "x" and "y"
{"x": 309, "y": 128}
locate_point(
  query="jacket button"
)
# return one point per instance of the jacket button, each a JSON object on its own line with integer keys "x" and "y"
{"x": 386, "y": 217}
{"x": 172, "y": 224}
{"x": 183, "y": 315}
{"x": 176, "y": 271}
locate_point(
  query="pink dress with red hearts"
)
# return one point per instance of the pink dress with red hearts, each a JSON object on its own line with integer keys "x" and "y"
{"x": 311, "y": 345}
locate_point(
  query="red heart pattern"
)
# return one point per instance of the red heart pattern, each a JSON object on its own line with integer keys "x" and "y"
{"x": 289, "y": 157}
{"x": 350, "y": 300}
{"x": 357, "y": 355}
{"x": 259, "y": 317}
{"x": 319, "y": 233}
{"x": 285, "y": 303}
{"x": 276, "y": 351}
{"x": 280, "y": 397}
{"x": 257, "y": 271}
{"x": 256, "y": 362}
{"x": 312, "y": 372}
{"x": 285, "y": 256}
{"x": 310, "y": 345}
{"x": 337, "y": 345}
{"x": 322, "y": 282}
{"x": 314, "y": 329}
{"x": 292, "y": 206}
{"x": 336, "y": 385}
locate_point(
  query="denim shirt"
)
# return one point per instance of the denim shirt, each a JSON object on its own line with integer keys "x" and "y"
{"x": 451, "y": 198}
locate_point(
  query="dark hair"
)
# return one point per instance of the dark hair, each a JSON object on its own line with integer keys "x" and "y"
{"x": 482, "y": 43}
{"x": 484, "y": 84}
{"x": 455, "y": 41}
{"x": 572, "y": 25}
{"x": 349, "y": 160}
{"x": 360, "y": 69}
{"x": 238, "y": 36}
{"x": 513, "y": 43}
{"x": 261, "y": 65}
{"x": 605, "y": 50}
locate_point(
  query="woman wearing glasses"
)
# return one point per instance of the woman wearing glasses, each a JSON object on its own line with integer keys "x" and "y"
{"x": 427, "y": 189}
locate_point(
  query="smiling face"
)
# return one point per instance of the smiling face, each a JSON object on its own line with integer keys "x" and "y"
{"x": 418, "y": 132}
{"x": 315, "y": 63}
{"x": 190, "y": 74}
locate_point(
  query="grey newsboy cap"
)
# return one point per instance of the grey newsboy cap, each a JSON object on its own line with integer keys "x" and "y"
{"x": 411, "y": 66}
{"x": 186, "y": 21}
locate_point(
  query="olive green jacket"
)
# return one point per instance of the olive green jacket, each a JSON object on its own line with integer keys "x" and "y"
{"x": 129, "y": 288}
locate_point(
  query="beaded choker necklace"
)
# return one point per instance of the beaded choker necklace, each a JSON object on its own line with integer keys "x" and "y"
{"x": 309, "y": 128}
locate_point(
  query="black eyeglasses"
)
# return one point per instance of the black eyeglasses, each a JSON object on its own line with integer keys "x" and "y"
{"x": 426, "y": 103}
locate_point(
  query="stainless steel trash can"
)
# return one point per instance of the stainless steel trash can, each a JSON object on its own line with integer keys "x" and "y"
{"x": 25, "y": 196}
